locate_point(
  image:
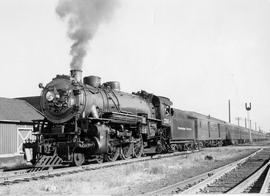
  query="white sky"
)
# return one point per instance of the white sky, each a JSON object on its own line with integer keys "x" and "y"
{"x": 199, "y": 53}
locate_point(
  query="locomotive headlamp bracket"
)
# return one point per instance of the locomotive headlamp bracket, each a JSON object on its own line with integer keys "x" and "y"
{"x": 40, "y": 85}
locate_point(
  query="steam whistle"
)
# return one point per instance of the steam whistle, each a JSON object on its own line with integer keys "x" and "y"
{"x": 248, "y": 108}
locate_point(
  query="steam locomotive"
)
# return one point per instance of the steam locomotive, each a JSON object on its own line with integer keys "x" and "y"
{"x": 89, "y": 121}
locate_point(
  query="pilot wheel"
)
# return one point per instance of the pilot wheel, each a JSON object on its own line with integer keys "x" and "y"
{"x": 78, "y": 158}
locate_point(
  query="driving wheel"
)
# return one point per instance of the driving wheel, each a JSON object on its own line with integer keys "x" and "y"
{"x": 112, "y": 154}
{"x": 138, "y": 148}
{"x": 126, "y": 151}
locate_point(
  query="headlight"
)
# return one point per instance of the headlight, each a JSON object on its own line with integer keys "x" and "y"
{"x": 50, "y": 95}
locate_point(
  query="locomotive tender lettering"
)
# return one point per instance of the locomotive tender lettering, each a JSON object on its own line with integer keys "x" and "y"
{"x": 184, "y": 128}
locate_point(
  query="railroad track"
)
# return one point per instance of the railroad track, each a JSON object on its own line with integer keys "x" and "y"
{"x": 245, "y": 175}
{"x": 256, "y": 183}
{"x": 11, "y": 177}
{"x": 266, "y": 184}
{"x": 242, "y": 178}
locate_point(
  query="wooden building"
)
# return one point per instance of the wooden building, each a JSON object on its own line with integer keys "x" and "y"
{"x": 15, "y": 124}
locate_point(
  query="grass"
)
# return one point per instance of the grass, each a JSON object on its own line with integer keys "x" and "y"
{"x": 131, "y": 179}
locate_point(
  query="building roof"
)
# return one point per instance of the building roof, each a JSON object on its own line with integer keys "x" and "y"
{"x": 34, "y": 101}
{"x": 14, "y": 110}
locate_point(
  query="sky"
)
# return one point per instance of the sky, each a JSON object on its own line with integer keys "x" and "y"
{"x": 199, "y": 53}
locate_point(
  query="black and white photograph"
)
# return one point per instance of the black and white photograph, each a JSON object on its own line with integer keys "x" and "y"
{"x": 134, "y": 97}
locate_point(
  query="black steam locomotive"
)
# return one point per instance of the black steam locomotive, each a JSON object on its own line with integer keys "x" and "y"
{"x": 89, "y": 121}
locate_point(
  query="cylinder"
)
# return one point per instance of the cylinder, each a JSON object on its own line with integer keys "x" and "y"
{"x": 76, "y": 74}
{"x": 115, "y": 85}
{"x": 94, "y": 81}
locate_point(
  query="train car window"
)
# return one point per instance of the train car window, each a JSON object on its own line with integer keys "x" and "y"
{"x": 172, "y": 111}
{"x": 167, "y": 110}
{"x": 208, "y": 128}
{"x": 219, "y": 130}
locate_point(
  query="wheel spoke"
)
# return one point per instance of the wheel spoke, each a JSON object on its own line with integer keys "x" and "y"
{"x": 100, "y": 158}
{"x": 138, "y": 148}
{"x": 112, "y": 154}
{"x": 126, "y": 151}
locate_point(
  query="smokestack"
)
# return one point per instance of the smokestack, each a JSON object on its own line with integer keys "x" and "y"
{"x": 76, "y": 74}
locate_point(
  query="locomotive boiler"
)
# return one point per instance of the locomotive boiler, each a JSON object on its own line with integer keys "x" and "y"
{"x": 86, "y": 120}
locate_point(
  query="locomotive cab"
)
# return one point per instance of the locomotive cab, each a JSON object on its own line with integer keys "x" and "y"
{"x": 165, "y": 111}
{"x": 164, "y": 114}
{"x": 161, "y": 107}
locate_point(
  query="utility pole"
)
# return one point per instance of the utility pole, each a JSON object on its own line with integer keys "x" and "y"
{"x": 238, "y": 120}
{"x": 245, "y": 123}
{"x": 248, "y": 108}
{"x": 255, "y": 126}
{"x": 229, "y": 111}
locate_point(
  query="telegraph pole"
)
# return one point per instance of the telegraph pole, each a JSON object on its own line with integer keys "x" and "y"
{"x": 255, "y": 126}
{"x": 229, "y": 111}
{"x": 238, "y": 120}
{"x": 248, "y": 108}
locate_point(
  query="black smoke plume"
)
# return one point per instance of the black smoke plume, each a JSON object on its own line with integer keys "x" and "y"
{"x": 84, "y": 18}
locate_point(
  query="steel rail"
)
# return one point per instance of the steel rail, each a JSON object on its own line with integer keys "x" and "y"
{"x": 14, "y": 172}
{"x": 266, "y": 183}
{"x": 201, "y": 180}
{"x": 220, "y": 172}
{"x": 240, "y": 188}
{"x": 26, "y": 176}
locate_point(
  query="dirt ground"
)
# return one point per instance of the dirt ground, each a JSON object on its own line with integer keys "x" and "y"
{"x": 132, "y": 179}
{"x": 13, "y": 162}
